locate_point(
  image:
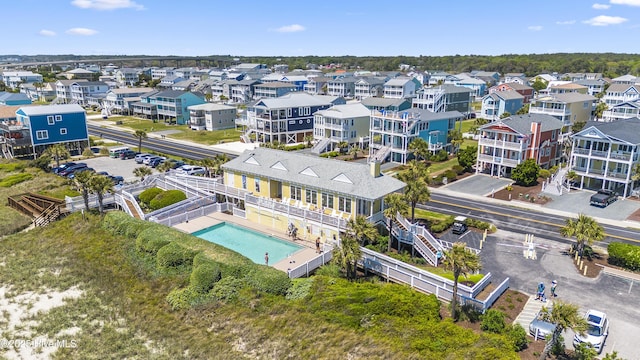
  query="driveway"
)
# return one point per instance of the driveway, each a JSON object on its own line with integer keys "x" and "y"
{"x": 478, "y": 184}
{"x": 577, "y": 202}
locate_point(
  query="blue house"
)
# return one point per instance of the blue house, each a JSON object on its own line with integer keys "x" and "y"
{"x": 37, "y": 127}
{"x": 10, "y": 99}
{"x": 169, "y": 105}
{"x": 500, "y": 102}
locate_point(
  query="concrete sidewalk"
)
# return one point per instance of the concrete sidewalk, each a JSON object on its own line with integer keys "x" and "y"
{"x": 528, "y": 313}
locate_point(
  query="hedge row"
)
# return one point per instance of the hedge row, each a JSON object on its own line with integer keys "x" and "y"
{"x": 624, "y": 255}
{"x": 166, "y": 198}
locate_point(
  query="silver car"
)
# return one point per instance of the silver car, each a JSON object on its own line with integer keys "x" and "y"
{"x": 597, "y": 331}
{"x": 539, "y": 328}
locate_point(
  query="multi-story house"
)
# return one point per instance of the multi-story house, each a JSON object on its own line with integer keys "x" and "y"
{"x": 625, "y": 79}
{"x": 566, "y": 88}
{"x": 478, "y": 87}
{"x": 241, "y": 92}
{"x": 185, "y": 72}
{"x": 489, "y": 77}
{"x": 437, "y": 77}
{"x": 505, "y": 143}
{"x": 10, "y": 99}
{"x": 80, "y": 73}
{"x": 39, "y": 91}
{"x": 401, "y": 88}
{"x": 519, "y": 78}
{"x": 120, "y": 100}
{"x": 169, "y": 80}
{"x": 497, "y": 103}
{"x": 272, "y": 89}
{"x": 317, "y": 85}
{"x": 158, "y": 73}
{"x": 342, "y": 86}
{"x": 604, "y": 155}
{"x": 341, "y": 123}
{"x": 445, "y": 97}
{"x": 298, "y": 81}
{"x": 594, "y": 87}
{"x": 568, "y": 107}
{"x": 168, "y": 105}
{"x": 315, "y": 195}
{"x": 13, "y": 79}
{"x": 526, "y": 91}
{"x": 620, "y": 93}
{"x": 82, "y": 91}
{"x": 580, "y": 76}
{"x": 621, "y": 111}
{"x": 370, "y": 86}
{"x": 376, "y": 103}
{"x": 127, "y": 76}
{"x": 63, "y": 90}
{"x": 391, "y": 132}
{"x": 211, "y": 117}
{"x": 38, "y": 127}
{"x": 287, "y": 119}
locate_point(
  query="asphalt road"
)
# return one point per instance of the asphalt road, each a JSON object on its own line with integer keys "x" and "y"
{"x": 164, "y": 146}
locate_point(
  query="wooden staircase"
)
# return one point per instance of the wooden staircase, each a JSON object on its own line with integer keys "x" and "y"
{"x": 43, "y": 209}
{"x": 132, "y": 208}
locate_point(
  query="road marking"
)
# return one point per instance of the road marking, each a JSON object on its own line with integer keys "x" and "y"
{"x": 523, "y": 218}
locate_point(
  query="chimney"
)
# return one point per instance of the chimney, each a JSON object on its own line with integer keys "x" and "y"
{"x": 374, "y": 168}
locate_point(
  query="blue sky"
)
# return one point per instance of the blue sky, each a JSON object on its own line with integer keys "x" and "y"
{"x": 326, "y": 27}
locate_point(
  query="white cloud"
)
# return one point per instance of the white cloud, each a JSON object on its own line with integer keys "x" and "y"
{"x": 604, "y": 20}
{"x": 44, "y": 32}
{"x": 567, "y": 22}
{"x": 290, "y": 28}
{"x": 535, "y": 28}
{"x": 600, "y": 6}
{"x": 626, "y": 2}
{"x": 81, "y": 31}
{"x": 107, "y": 4}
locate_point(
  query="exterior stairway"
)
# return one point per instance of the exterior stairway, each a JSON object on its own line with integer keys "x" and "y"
{"x": 557, "y": 183}
{"x": 132, "y": 208}
{"x": 380, "y": 154}
{"x": 245, "y": 138}
{"x": 320, "y": 146}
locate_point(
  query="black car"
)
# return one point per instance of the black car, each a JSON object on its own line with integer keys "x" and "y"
{"x": 116, "y": 179}
{"x": 154, "y": 162}
{"x": 128, "y": 154}
{"x": 70, "y": 169}
{"x": 57, "y": 169}
{"x": 73, "y": 174}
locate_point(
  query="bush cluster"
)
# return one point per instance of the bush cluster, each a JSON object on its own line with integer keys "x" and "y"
{"x": 119, "y": 223}
{"x": 478, "y": 224}
{"x": 494, "y": 321}
{"x": 330, "y": 154}
{"x": 624, "y": 255}
{"x": 204, "y": 276}
{"x": 148, "y": 195}
{"x": 296, "y": 147}
{"x": 174, "y": 255}
{"x": 15, "y": 179}
{"x": 458, "y": 169}
{"x": 269, "y": 280}
{"x": 442, "y": 225}
{"x": 152, "y": 239}
{"x": 166, "y": 198}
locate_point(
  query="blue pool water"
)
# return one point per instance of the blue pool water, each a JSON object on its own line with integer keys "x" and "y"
{"x": 248, "y": 242}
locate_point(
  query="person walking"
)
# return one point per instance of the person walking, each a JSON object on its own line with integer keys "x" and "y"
{"x": 318, "y": 245}
{"x": 554, "y": 285}
{"x": 540, "y": 294}
{"x": 266, "y": 258}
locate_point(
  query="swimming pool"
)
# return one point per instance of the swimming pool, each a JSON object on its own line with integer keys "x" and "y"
{"x": 247, "y": 242}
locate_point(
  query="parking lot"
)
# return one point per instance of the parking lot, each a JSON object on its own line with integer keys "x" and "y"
{"x": 113, "y": 166}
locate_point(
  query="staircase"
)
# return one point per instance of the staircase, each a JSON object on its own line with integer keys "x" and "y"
{"x": 381, "y": 154}
{"x": 557, "y": 183}
{"x": 43, "y": 209}
{"x": 132, "y": 208}
{"x": 320, "y": 146}
{"x": 423, "y": 242}
{"x": 245, "y": 137}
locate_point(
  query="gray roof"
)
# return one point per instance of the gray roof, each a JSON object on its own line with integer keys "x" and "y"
{"x": 70, "y": 82}
{"x": 621, "y": 88}
{"x": 506, "y": 95}
{"x": 522, "y": 123}
{"x": 276, "y": 84}
{"x": 345, "y": 111}
{"x": 336, "y": 176}
{"x": 451, "y": 89}
{"x": 210, "y": 107}
{"x": 587, "y": 82}
{"x": 517, "y": 86}
{"x": 384, "y": 102}
{"x": 625, "y": 129}
{"x": 398, "y": 81}
{"x": 292, "y": 100}
{"x": 574, "y": 97}
{"x": 51, "y": 109}
{"x": 135, "y": 90}
{"x": 8, "y": 96}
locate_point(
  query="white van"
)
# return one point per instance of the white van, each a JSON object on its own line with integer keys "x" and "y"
{"x": 115, "y": 152}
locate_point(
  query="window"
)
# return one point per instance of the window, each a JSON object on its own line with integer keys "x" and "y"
{"x": 58, "y": 117}
{"x": 63, "y": 131}
{"x": 244, "y": 182}
{"x": 50, "y": 120}
{"x": 257, "y": 181}
{"x": 547, "y": 152}
{"x": 327, "y": 200}
{"x": 42, "y": 134}
{"x": 296, "y": 192}
{"x": 344, "y": 204}
{"x": 553, "y": 135}
{"x": 289, "y": 112}
{"x": 311, "y": 197}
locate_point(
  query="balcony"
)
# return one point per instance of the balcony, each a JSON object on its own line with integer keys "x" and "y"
{"x": 502, "y": 144}
{"x": 498, "y": 160}
{"x": 549, "y": 111}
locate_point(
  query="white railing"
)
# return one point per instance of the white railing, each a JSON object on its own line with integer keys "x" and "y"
{"x": 120, "y": 201}
{"x": 186, "y": 216}
{"x": 181, "y": 207}
{"x": 305, "y": 269}
{"x": 284, "y": 208}
{"x": 128, "y": 196}
{"x": 502, "y": 144}
{"x": 239, "y": 213}
{"x": 320, "y": 146}
{"x": 380, "y": 154}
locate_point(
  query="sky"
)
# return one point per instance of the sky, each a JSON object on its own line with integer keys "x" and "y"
{"x": 323, "y": 28}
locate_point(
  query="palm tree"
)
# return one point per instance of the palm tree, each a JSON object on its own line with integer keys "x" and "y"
{"x": 420, "y": 148}
{"x": 347, "y": 254}
{"x": 354, "y": 150}
{"x": 308, "y": 139}
{"x": 394, "y": 203}
{"x": 564, "y": 316}
{"x": 585, "y": 229}
{"x": 456, "y": 139}
{"x": 416, "y": 190}
{"x": 164, "y": 166}
{"x": 207, "y": 163}
{"x": 82, "y": 180}
{"x": 100, "y": 185}
{"x": 58, "y": 152}
{"x": 140, "y": 135}
{"x": 218, "y": 161}
{"x": 460, "y": 261}
{"x": 141, "y": 172}
{"x": 361, "y": 230}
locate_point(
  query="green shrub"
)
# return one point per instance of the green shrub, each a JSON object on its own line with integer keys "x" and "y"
{"x": 148, "y": 195}
{"x": 440, "y": 156}
{"x": 300, "y": 289}
{"x": 329, "y": 270}
{"x": 545, "y": 174}
{"x": 296, "y": 147}
{"x": 518, "y": 336}
{"x": 442, "y": 225}
{"x": 15, "y": 179}
{"x": 166, "y": 198}
{"x": 227, "y": 289}
{"x": 478, "y": 224}
{"x": 235, "y": 270}
{"x": 152, "y": 239}
{"x": 174, "y": 255}
{"x": 119, "y": 223}
{"x": 87, "y": 153}
{"x": 12, "y": 166}
{"x": 436, "y": 180}
{"x": 185, "y": 298}
{"x": 204, "y": 276}
{"x": 450, "y": 175}
{"x": 269, "y": 280}
{"x": 330, "y": 154}
{"x": 624, "y": 255}
{"x": 493, "y": 321}
{"x": 458, "y": 169}
{"x": 104, "y": 151}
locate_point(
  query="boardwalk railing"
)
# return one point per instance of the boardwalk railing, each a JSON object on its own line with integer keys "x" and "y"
{"x": 186, "y": 216}
{"x": 128, "y": 196}
{"x": 316, "y": 262}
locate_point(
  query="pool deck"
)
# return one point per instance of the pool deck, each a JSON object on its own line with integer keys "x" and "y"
{"x": 299, "y": 257}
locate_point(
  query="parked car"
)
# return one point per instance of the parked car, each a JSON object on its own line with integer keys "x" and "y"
{"x": 57, "y": 169}
{"x": 153, "y": 162}
{"x": 150, "y": 158}
{"x": 73, "y": 174}
{"x": 128, "y": 154}
{"x": 191, "y": 170}
{"x": 116, "y": 179}
{"x": 597, "y": 331}
{"x": 141, "y": 157}
{"x": 603, "y": 198}
{"x": 459, "y": 225}
{"x": 70, "y": 169}
{"x": 175, "y": 163}
{"x": 539, "y": 328}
